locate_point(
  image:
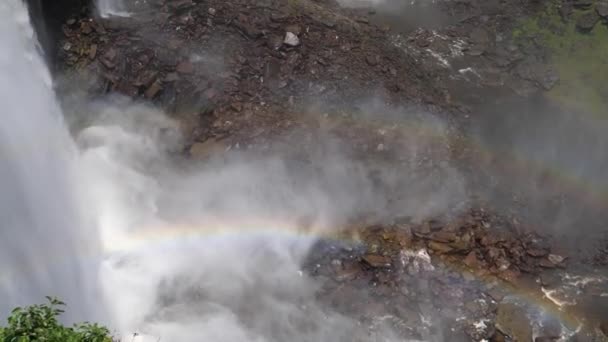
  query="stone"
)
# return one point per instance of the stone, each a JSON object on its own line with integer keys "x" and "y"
{"x": 471, "y": 260}
{"x": 376, "y": 260}
{"x": 295, "y": 29}
{"x": 582, "y": 3}
{"x": 604, "y": 327}
{"x": 372, "y": 60}
{"x": 602, "y": 9}
{"x": 185, "y": 67}
{"x": 207, "y": 149}
{"x": 556, "y": 259}
{"x": 153, "y": 90}
{"x": 440, "y": 247}
{"x": 537, "y": 252}
{"x": 511, "y": 320}
{"x": 93, "y": 51}
{"x": 347, "y": 272}
{"x": 587, "y": 21}
{"x": 291, "y": 39}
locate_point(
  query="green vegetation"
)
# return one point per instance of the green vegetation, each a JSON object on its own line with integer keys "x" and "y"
{"x": 580, "y": 58}
{"x": 40, "y": 323}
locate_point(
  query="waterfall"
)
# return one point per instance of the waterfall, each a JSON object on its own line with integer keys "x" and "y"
{"x": 47, "y": 246}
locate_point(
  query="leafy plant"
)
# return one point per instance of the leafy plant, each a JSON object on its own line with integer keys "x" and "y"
{"x": 40, "y": 323}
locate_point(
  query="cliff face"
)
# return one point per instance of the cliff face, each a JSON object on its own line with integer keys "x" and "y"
{"x": 47, "y": 17}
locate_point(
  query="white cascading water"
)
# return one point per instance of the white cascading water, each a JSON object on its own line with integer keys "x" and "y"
{"x": 43, "y": 235}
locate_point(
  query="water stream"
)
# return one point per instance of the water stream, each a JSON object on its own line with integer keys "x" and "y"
{"x": 42, "y": 230}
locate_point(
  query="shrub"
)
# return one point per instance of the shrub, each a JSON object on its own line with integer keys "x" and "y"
{"x": 40, "y": 323}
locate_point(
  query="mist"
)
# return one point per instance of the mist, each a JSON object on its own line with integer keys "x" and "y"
{"x": 214, "y": 249}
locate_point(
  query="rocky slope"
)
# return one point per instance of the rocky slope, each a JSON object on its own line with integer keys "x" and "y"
{"x": 282, "y": 75}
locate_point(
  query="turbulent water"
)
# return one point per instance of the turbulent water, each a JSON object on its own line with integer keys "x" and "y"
{"x": 42, "y": 232}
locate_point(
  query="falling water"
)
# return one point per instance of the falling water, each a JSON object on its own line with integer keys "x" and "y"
{"x": 112, "y": 8}
{"x": 43, "y": 235}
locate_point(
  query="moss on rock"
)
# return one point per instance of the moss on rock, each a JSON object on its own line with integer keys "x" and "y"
{"x": 581, "y": 58}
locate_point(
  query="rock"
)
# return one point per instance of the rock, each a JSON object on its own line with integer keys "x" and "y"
{"x": 479, "y": 36}
{"x": 295, "y": 29}
{"x": 602, "y": 9}
{"x": 511, "y": 320}
{"x": 207, "y": 149}
{"x": 108, "y": 58}
{"x": 565, "y": 11}
{"x": 372, "y": 60}
{"x": 471, "y": 260}
{"x": 537, "y": 252}
{"x": 86, "y": 28}
{"x": 247, "y": 28}
{"x": 604, "y": 327}
{"x": 443, "y": 236}
{"x": 440, "y": 247}
{"x": 291, "y": 39}
{"x": 556, "y": 259}
{"x": 185, "y": 67}
{"x": 274, "y": 42}
{"x": 347, "y": 272}
{"x": 153, "y": 90}
{"x": 376, "y": 260}
{"x": 587, "y": 21}
{"x": 93, "y": 51}
{"x": 582, "y": 4}
{"x": 236, "y": 106}
{"x": 546, "y": 339}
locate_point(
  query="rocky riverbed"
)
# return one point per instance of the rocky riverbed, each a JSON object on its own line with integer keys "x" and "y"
{"x": 429, "y": 106}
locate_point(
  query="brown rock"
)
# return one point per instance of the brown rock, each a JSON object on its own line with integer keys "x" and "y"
{"x": 349, "y": 271}
{"x": 86, "y": 28}
{"x": 236, "y": 106}
{"x": 295, "y": 29}
{"x": 376, "y": 260}
{"x": 372, "y": 60}
{"x": 185, "y": 67}
{"x": 443, "y": 236}
{"x": 93, "y": 51}
{"x": 440, "y": 247}
{"x": 604, "y": 327}
{"x": 537, "y": 252}
{"x": 153, "y": 90}
{"x": 511, "y": 320}
{"x": 207, "y": 149}
{"x": 471, "y": 260}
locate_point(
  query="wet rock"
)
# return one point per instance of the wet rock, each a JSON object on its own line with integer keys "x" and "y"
{"x": 602, "y": 9}
{"x": 207, "y": 149}
{"x": 274, "y": 42}
{"x": 439, "y": 247}
{"x": 546, "y": 339}
{"x": 246, "y": 27}
{"x": 347, "y": 272}
{"x": 291, "y": 39}
{"x": 556, "y": 259}
{"x": 582, "y": 4}
{"x": 604, "y": 328}
{"x": 376, "y": 260}
{"x": 511, "y": 320}
{"x": 93, "y": 51}
{"x": 587, "y": 21}
{"x": 108, "y": 58}
{"x": 471, "y": 260}
{"x": 153, "y": 90}
{"x": 295, "y": 29}
{"x": 185, "y": 67}
{"x": 565, "y": 11}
